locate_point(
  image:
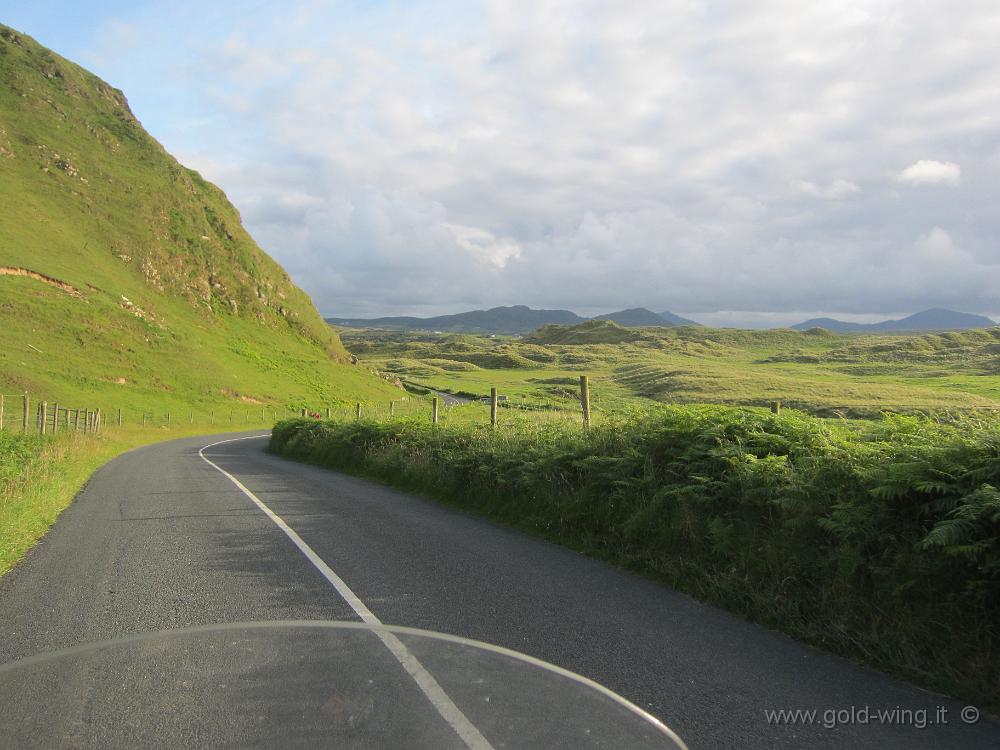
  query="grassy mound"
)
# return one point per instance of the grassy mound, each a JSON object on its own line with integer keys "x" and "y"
{"x": 591, "y": 332}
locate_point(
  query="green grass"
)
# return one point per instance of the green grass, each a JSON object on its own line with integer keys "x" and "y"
{"x": 816, "y": 371}
{"x": 879, "y": 540}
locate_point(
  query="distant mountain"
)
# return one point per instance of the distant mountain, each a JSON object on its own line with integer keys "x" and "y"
{"x": 510, "y": 320}
{"x": 830, "y": 324}
{"x": 937, "y": 319}
{"x": 639, "y": 317}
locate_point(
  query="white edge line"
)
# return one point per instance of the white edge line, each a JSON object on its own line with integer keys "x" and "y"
{"x": 451, "y": 713}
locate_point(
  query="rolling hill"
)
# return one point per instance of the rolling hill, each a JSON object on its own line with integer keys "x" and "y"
{"x": 640, "y": 317}
{"x": 936, "y": 319}
{"x": 518, "y": 319}
{"x": 128, "y": 280}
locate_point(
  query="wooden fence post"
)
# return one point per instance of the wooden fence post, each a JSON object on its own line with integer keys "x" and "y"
{"x": 119, "y": 417}
{"x": 144, "y": 418}
{"x": 55, "y": 418}
{"x": 43, "y": 415}
{"x": 303, "y": 415}
{"x": 1, "y": 412}
{"x": 585, "y": 400}
{"x": 392, "y": 408}
{"x": 24, "y": 422}
{"x": 357, "y": 412}
{"x": 776, "y": 407}
{"x": 434, "y": 413}
{"x": 213, "y": 416}
{"x": 97, "y": 421}
{"x": 76, "y": 420}
{"x": 191, "y": 418}
{"x": 168, "y": 419}
{"x": 494, "y": 400}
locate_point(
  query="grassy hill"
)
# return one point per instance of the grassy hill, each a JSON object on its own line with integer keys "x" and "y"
{"x": 127, "y": 280}
{"x": 640, "y": 317}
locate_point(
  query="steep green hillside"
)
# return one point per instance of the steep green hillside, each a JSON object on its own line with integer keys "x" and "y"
{"x": 126, "y": 280}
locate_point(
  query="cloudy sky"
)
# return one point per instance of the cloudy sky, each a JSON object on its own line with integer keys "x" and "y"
{"x": 736, "y": 162}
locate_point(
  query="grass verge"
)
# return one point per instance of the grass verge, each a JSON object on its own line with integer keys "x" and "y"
{"x": 878, "y": 541}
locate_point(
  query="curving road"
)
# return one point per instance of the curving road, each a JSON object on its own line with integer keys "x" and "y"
{"x": 449, "y": 399}
{"x": 161, "y": 538}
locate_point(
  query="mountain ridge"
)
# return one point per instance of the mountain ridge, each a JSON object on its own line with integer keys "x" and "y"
{"x": 933, "y": 319}
{"x": 516, "y": 319}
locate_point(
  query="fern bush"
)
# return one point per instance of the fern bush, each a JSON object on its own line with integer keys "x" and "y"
{"x": 878, "y": 540}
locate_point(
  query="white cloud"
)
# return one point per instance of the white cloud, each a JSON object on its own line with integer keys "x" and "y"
{"x": 937, "y": 247}
{"x": 928, "y": 172}
{"x": 836, "y": 189}
{"x": 482, "y": 245}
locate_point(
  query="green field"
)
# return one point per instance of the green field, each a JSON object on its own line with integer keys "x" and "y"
{"x": 815, "y": 371}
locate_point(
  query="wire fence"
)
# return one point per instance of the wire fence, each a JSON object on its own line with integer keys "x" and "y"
{"x": 24, "y": 413}
{"x": 19, "y": 412}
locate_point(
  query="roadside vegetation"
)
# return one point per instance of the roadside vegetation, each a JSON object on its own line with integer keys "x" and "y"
{"x": 879, "y": 540}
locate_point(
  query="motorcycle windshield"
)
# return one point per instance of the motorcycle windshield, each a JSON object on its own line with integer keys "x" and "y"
{"x": 311, "y": 684}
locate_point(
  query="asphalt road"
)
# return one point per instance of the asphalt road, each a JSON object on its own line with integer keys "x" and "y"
{"x": 450, "y": 399}
{"x": 160, "y": 539}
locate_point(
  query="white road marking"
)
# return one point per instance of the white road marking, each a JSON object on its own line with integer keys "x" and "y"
{"x": 451, "y": 713}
